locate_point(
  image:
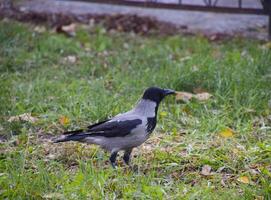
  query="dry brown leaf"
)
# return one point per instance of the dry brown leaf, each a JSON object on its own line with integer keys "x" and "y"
{"x": 198, "y": 90}
{"x": 39, "y": 29}
{"x": 51, "y": 156}
{"x": 203, "y": 96}
{"x": 227, "y": 133}
{"x": 185, "y": 58}
{"x": 68, "y": 29}
{"x": 259, "y": 198}
{"x": 216, "y": 36}
{"x": 243, "y": 179}
{"x": 70, "y": 59}
{"x": 23, "y": 117}
{"x": 64, "y": 120}
{"x": 206, "y": 170}
{"x": 184, "y": 96}
{"x": 267, "y": 45}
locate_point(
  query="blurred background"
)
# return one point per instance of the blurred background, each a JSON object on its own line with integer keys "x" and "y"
{"x": 244, "y": 17}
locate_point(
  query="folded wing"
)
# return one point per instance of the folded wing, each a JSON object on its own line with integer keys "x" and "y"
{"x": 108, "y": 128}
{"x": 116, "y": 128}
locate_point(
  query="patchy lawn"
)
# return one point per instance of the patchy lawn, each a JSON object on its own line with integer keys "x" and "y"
{"x": 215, "y": 149}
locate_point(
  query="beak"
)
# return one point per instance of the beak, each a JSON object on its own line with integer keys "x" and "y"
{"x": 168, "y": 92}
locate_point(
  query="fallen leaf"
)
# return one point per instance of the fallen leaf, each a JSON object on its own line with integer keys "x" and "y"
{"x": 70, "y": 59}
{"x": 184, "y": 96}
{"x": 23, "y": 117}
{"x": 227, "y": 133}
{"x": 235, "y": 151}
{"x": 126, "y": 46}
{"x": 217, "y": 36}
{"x": 64, "y": 120}
{"x": 243, "y": 179}
{"x": 203, "y": 96}
{"x": 267, "y": 45}
{"x": 53, "y": 196}
{"x": 39, "y": 29}
{"x": 259, "y": 198}
{"x": 51, "y": 156}
{"x": 69, "y": 30}
{"x": 198, "y": 90}
{"x": 206, "y": 170}
{"x": 185, "y": 58}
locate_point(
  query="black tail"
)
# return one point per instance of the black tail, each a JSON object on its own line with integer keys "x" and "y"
{"x": 77, "y": 135}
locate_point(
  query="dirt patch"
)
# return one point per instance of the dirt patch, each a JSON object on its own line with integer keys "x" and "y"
{"x": 118, "y": 22}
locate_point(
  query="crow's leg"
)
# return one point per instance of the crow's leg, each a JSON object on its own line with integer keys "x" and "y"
{"x": 113, "y": 159}
{"x": 126, "y": 156}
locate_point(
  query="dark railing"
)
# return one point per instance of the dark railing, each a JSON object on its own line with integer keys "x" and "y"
{"x": 206, "y": 6}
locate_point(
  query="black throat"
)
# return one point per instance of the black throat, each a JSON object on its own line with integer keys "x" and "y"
{"x": 151, "y": 124}
{"x": 151, "y": 121}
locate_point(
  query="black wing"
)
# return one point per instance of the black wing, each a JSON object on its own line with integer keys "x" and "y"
{"x": 84, "y": 130}
{"x": 97, "y": 124}
{"x": 113, "y": 128}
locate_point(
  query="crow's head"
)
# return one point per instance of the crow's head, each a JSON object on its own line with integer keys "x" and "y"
{"x": 156, "y": 94}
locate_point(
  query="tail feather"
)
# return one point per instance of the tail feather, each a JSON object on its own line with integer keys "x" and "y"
{"x": 77, "y": 135}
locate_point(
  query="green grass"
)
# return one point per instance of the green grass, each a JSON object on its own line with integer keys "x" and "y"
{"x": 110, "y": 74}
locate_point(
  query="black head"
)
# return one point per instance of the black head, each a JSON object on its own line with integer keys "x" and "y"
{"x": 156, "y": 94}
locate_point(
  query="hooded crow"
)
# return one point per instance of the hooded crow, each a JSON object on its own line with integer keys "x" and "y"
{"x": 124, "y": 131}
